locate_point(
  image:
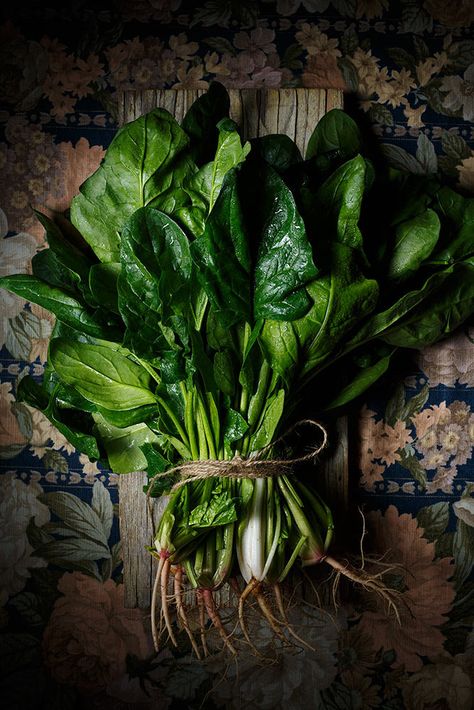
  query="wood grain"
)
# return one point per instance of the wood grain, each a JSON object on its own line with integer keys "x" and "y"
{"x": 295, "y": 113}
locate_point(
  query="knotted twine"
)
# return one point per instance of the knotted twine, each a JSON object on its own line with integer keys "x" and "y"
{"x": 252, "y": 467}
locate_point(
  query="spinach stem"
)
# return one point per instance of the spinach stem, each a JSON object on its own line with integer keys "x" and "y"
{"x": 174, "y": 419}
{"x": 201, "y": 407}
{"x": 188, "y": 418}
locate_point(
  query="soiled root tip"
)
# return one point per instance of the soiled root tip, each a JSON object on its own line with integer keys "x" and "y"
{"x": 369, "y": 582}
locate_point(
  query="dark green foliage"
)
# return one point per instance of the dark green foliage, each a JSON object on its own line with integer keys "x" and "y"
{"x": 214, "y": 281}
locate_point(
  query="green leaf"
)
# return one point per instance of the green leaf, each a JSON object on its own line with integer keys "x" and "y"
{"x": 46, "y": 267}
{"x": 439, "y": 314}
{"x": 67, "y": 308}
{"x": 434, "y": 520}
{"x": 415, "y": 240}
{"x": 157, "y": 463}
{"x": 230, "y": 152}
{"x": 454, "y": 145}
{"x": 335, "y": 209}
{"x": 75, "y": 426}
{"x": 200, "y": 122}
{"x": 101, "y": 375}
{"x": 461, "y": 54}
{"x": 224, "y": 372}
{"x": 415, "y": 19}
{"x": 278, "y": 151}
{"x": 144, "y": 165}
{"x": 378, "y": 113}
{"x": 219, "y": 510}
{"x": 235, "y": 426}
{"x": 457, "y": 226}
{"x": 284, "y": 261}
{"x": 154, "y": 282}
{"x": 360, "y": 383}
{"x": 271, "y": 419}
{"x": 401, "y": 159}
{"x": 395, "y": 406}
{"x": 336, "y": 131}
{"x": 421, "y": 316}
{"x": 222, "y": 257}
{"x": 123, "y": 445}
{"x": 54, "y": 461}
{"x": 103, "y": 285}
{"x": 71, "y": 258}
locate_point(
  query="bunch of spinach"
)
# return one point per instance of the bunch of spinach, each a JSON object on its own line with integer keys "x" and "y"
{"x": 207, "y": 286}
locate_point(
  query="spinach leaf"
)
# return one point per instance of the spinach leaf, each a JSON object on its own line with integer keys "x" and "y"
{"x": 204, "y": 186}
{"x": 230, "y": 152}
{"x": 144, "y": 165}
{"x": 437, "y": 315}
{"x": 333, "y": 212}
{"x": 46, "y": 266}
{"x": 103, "y": 285}
{"x": 415, "y": 239}
{"x": 457, "y": 215}
{"x": 200, "y": 122}
{"x": 123, "y": 445}
{"x": 65, "y": 251}
{"x": 154, "y": 280}
{"x": 279, "y": 152}
{"x": 76, "y": 426}
{"x": 222, "y": 257}
{"x": 265, "y": 433}
{"x": 336, "y": 131}
{"x": 365, "y": 377}
{"x": 101, "y": 375}
{"x": 284, "y": 260}
{"x": 64, "y": 306}
{"x": 404, "y": 308}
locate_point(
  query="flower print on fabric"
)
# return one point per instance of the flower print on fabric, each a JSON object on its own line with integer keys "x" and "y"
{"x": 90, "y": 633}
{"x": 460, "y": 93}
{"x": 444, "y": 684}
{"x": 444, "y": 439}
{"x": 380, "y": 446}
{"x": 18, "y": 505}
{"x": 426, "y": 591}
{"x": 449, "y": 362}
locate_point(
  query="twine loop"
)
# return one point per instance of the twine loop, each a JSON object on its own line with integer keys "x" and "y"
{"x": 252, "y": 467}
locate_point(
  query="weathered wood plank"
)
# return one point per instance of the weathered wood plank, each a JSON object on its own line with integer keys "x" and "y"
{"x": 295, "y": 113}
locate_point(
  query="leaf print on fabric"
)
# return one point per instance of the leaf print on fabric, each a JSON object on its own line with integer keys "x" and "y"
{"x": 16, "y": 326}
{"x": 19, "y": 504}
{"x": 426, "y": 595}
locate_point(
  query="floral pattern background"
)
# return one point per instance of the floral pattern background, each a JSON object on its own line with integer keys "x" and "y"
{"x": 66, "y": 639}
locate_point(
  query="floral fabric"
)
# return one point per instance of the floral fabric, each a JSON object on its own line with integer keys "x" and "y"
{"x": 66, "y": 639}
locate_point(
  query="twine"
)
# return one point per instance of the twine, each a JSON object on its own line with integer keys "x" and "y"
{"x": 238, "y": 467}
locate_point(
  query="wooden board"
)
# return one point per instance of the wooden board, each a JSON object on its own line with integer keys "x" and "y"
{"x": 294, "y": 112}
